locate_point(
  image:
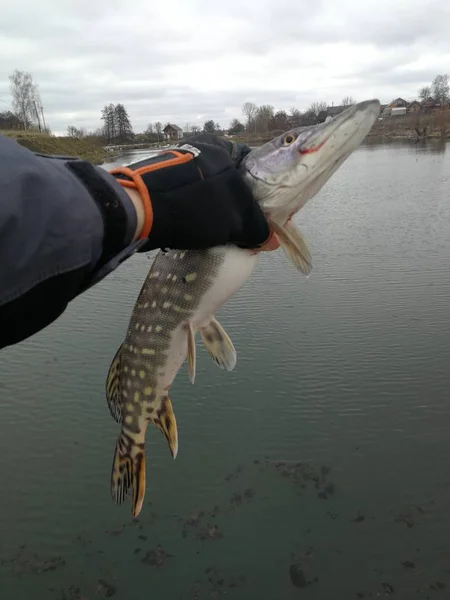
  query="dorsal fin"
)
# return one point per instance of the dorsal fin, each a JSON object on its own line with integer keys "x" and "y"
{"x": 112, "y": 387}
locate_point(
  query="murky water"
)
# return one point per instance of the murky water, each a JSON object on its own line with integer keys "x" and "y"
{"x": 319, "y": 468}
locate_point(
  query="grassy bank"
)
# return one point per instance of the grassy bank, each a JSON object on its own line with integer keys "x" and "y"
{"x": 86, "y": 148}
{"x": 432, "y": 126}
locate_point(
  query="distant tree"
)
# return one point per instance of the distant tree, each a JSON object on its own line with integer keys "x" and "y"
{"x": 263, "y": 116}
{"x": 295, "y": 118}
{"x": 311, "y": 116}
{"x": 25, "y": 96}
{"x": 317, "y": 107}
{"x": 195, "y": 129}
{"x": 209, "y": 126}
{"x": 249, "y": 110}
{"x": 236, "y": 127}
{"x": 123, "y": 128}
{"x": 280, "y": 121}
{"x": 425, "y": 92}
{"x": 348, "y": 101}
{"x": 440, "y": 88}
{"x": 72, "y": 131}
{"x": 8, "y": 120}
{"x": 109, "y": 123}
{"x": 158, "y": 129}
{"x": 99, "y": 133}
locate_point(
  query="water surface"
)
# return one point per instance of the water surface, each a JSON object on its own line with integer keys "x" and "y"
{"x": 319, "y": 468}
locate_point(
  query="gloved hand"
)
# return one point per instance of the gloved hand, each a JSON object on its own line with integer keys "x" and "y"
{"x": 195, "y": 197}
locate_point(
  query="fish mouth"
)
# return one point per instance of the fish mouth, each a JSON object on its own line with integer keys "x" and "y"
{"x": 289, "y": 170}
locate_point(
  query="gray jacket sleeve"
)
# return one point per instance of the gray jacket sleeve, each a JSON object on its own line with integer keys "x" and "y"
{"x": 52, "y": 224}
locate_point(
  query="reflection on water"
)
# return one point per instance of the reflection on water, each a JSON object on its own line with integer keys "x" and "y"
{"x": 319, "y": 467}
{"x": 426, "y": 146}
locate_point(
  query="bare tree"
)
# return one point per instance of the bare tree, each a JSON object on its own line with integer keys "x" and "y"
{"x": 440, "y": 88}
{"x": 249, "y": 110}
{"x": 8, "y": 120}
{"x": 348, "y": 101}
{"x": 23, "y": 92}
{"x": 295, "y": 118}
{"x": 72, "y": 131}
{"x": 317, "y": 107}
{"x": 311, "y": 116}
{"x": 280, "y": 121}
{"x": 425, "y": 92}
{"x": 158, "y": 129}
{"x": 263, "y": 116}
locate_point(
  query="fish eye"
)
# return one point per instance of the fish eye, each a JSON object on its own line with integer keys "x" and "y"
{"x": 288, "y": 139}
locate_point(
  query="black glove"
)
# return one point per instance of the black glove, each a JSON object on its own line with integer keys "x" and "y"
{"x": 198, "y": 197}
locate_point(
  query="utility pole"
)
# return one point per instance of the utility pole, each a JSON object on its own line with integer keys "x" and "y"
{"x": 43, "y": 119}
{"x": 37, "y": 115}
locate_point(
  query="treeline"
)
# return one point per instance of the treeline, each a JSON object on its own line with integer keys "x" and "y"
{"x": 260, "y": 120}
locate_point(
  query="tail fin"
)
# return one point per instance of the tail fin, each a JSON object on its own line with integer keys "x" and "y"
{"x": 294, "y": 246}
{"x": 128, "y": 470}
{"x": 163, "y": 418}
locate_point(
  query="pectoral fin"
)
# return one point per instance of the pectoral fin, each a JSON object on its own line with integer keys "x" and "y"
{"x": 191, "y": 352}
{"x": 112, "y": 387}
{"x": 294, "y": 246}
{"x": 219, "y": 345}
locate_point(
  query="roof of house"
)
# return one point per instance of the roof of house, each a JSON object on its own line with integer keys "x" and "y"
{"x": 398, "y": 100}
{"x": 429, "y": 100}
{"x": 335, "y": 110}
{"x": 173, "y": 127}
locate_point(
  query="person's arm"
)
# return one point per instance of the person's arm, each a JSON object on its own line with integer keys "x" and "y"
{"x": 65, "y": 225}
{"x": 51, "y": 237}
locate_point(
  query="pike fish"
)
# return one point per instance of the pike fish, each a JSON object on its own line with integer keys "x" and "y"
{"x": 184, "y": 289}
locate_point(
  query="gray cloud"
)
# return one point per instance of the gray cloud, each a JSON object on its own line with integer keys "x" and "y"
{"x": 190, "y": 61}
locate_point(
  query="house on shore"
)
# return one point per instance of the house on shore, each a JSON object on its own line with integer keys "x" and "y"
{"x": 414, "y": 107}
{"x": 393, "y": 107}
{"x": 332, "y": 111}
{"x": 172, "y": 132}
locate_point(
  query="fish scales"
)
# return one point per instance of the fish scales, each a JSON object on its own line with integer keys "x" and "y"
{"x": 180, "y": 292}
{"x": 184, "y": 289}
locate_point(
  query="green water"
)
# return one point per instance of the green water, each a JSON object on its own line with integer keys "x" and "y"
{"x": 319, "y": 468}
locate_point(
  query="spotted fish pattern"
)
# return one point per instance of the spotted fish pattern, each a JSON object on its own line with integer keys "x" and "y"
{"x": 178, "y": 299}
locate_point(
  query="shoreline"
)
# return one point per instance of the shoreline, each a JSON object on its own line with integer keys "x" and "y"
{"x": 92, "y": 150}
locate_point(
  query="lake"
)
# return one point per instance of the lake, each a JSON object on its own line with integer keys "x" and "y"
{"x": 319, "y": 468}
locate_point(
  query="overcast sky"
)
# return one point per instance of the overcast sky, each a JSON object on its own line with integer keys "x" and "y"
{"x": 187, "y": 61}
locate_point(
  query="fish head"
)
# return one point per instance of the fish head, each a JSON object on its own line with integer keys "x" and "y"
{"x": 289, "y": 170}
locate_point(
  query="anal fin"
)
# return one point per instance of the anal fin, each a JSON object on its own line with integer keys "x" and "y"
{"x": 112, "y": 387}
{"x": 191, "y": 352}
{"x": 294, "y": 246}
{"x": 219, "y": 345}
{"x": 163, "y": 417}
